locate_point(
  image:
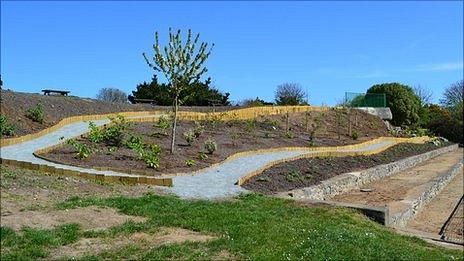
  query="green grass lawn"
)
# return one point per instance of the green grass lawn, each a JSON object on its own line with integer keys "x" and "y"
{"x": 251, "y": 227}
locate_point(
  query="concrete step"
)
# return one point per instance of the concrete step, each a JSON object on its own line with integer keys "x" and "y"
{"x": 405, "y": 193}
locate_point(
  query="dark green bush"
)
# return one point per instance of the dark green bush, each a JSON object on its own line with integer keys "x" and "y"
{"x": 36, "y": 114}
{"x": 402, "y": 101}
{"x": 442, "y": 122}
{"x": 6, "y": 128}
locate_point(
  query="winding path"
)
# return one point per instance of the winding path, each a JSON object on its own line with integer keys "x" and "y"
{"x": 210, "y": 183}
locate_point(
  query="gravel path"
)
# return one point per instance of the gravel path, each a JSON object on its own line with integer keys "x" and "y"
{"x": 211, "y": 183}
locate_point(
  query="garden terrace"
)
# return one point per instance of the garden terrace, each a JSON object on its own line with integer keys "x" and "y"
{"x": 312, "y": 171}
{"x": 231, "y": 137}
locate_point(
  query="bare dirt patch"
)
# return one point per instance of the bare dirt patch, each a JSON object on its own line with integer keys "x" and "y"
{"x": 89, "y": 246}
{"x": 312, "y": 171}
{"x": 89, "y": 218}
{"x": 26, "y": 190}
{"x": 231, "y": 137}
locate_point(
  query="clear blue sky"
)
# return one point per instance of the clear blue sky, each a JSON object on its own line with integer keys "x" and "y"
{"x": 328, "y": 47}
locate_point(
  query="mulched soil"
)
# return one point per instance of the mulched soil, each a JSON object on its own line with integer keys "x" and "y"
{"x": 56, "y": 107}
{"x": 312, "y": 171}
{"x": 231, "y": 137}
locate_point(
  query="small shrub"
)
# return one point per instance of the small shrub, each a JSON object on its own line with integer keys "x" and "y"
{"x": 36, "y": 114}
{"x": 134, "y": 142}
{"x": 95, "y": 134}
{"x": 210, "y": 146}
{"x": 114, "y": 134}
{"x": 355, "y": 135}
{"x": 163, "y": 123}
{"x": 267, "y": 135}
{"x": 198, "y": 130}
{"x": 82, "y": 150}
{"x": 6, "y": 128}
{"x": 234, "y": 137}
{"x": 112, "y": 149}
{"x": 150, "y": 155}
{"x": 202, "y": 156}
{"x": 250, "y": 125}
{"x": 293, "y": 176}
{"x": 190, "y": 163}
{"x": 289, "y": 135}
{"x": 189, "y": 137}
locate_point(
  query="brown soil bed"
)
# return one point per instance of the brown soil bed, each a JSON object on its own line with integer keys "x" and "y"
{"x": 312, "y": 171}
{"x": 56, "y": 107}
{"x": 231, "y": 137}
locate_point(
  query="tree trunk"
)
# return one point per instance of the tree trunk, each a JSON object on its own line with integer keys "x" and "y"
{"x": 174, "y": 125}
{"x": 287, "y": 123}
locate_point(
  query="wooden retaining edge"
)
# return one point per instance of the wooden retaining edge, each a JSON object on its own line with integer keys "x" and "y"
{"x": 90, "y": 176}
{"x": 238, "y": 114}
{"x": 328, "y": 152}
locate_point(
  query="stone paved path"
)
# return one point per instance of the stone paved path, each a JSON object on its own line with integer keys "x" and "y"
{"x": 211, "y": 183}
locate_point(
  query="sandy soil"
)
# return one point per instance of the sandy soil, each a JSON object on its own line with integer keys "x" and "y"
{"x": 88, "y": 246}
{"x": 89, "y": 218}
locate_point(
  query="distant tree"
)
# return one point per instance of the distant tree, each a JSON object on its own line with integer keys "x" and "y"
{"x": 181, "y": 63}
{"x": 196, "y": 94}
{"x": 253, "y": 102}
{"x": 112, "y": 95}
{"x": 290, "y": 94}
{"x": 402, "y": 101}
{"x": 453, "y": 99}
{"x": 424, "y": 94}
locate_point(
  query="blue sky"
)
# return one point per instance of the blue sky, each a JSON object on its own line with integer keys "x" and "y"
{"x": 327, "y": 47}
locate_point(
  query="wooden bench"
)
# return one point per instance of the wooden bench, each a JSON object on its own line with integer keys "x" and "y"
{"x": 144, "y": 101}
{"x": 47, "y": 92}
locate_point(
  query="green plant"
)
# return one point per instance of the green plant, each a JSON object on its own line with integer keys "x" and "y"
{"x": 95, "y": 134}
{"x": 210, "y": 146}
{"x": 293, "y": 176}
{"x": 289, "y": 135}
{"x": 134, "y": 142}
{"x": 5, "y": 127}
{"x": 114, "y": 133}
{"x": 112, "y": 149}
{"x": 190, "y": 163}
{"x": 202, "y": 156}
{"x": 250, "y": 125}
{"x": 189, "y": 137}
{"x": 150, "y": 155}
{"x": 182, "y": 63}
{"x": 355, "y": 135}
{"x": 82, "y": 150}
{"x": 163, "y": 123}
{"x": 198, "y": 130}
{"x": 267, "y": 135}
{"x": 36, "y": 114}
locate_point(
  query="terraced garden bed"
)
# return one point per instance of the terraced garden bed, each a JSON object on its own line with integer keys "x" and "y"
{"x": 312, "y": 171}
{"x": 229, "y": 137}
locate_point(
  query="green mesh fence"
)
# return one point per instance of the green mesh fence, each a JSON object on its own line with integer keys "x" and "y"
{"x": 365, "y": 99}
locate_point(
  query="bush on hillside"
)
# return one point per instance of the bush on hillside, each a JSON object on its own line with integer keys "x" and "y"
{"x": 403, "y": 102}
{"x": 441, "y": 122}
{"x": 196, "y": 94}
{"x": 36, "y": 114}
{"x": 5, "y": 127}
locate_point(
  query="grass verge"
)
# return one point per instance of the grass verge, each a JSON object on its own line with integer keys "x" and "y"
{"x": 251, "y": 227}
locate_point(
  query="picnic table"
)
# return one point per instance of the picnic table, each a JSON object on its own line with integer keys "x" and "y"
{"x": 144, "y": 101}
{"x": 47, "y": 92}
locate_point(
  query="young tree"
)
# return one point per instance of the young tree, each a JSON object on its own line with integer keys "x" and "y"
{"x": 290, "y": 94}
{"x": 181, "y": 63}
{"x": 424, "y": 94}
